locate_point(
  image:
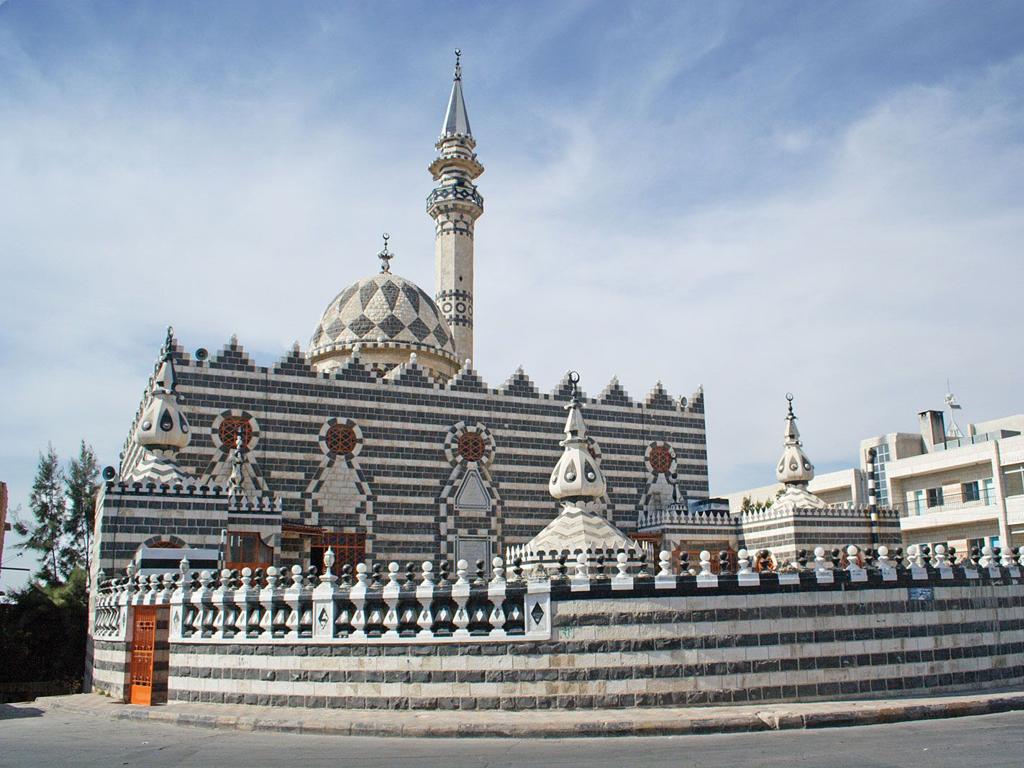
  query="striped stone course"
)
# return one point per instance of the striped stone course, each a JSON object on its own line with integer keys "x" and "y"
{"x": 638, "y": 652}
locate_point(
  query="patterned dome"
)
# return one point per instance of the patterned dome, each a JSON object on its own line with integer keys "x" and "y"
{"x": 387, "y": 311}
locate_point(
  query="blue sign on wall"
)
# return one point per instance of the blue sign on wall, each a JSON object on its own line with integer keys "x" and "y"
{"x": 921, "y": 594}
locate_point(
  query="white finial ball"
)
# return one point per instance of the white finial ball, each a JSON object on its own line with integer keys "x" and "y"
{"x": 427, "y": 566}
{"x": 412, "y": 358}
{"x": 883, "y": 551}
{"x": 705, "y": 556}
{"x": 581, "y": 558}
{"x": 361, "y": 568}
{"x": 851, "y": 551}
{"x": 296, "y": 570}
{"x": 469, "y": 364}
{"x": 743, "y": 554}
{"x": 392, "y": 567}
{"x": 940, "y": 549}
{"x": 622, "y": 557}
{"x": 497, "y": 562}
{"x": 819, "y": 551}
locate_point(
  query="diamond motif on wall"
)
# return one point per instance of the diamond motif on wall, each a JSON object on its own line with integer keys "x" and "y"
{"x": 537, "y": 613}
{"x": 419, "y": 329}
{"x": 391, "y": 326}
{"x": 361, "y": 326}
{"x": 390, "y": 291}
{"x": 441, "y": 336}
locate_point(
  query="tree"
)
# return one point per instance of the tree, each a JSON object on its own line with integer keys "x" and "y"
{"x": 82, "y": 486}
{"x": 48, "y": 505}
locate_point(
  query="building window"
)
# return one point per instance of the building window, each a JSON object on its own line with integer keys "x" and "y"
{"x": 660, "y": 459}
{"x": 349, "y": 548}
{"x": 229, "y": 429}
{"x": 341, "y": 438}
{"x": 881, "y": 482}
{"x": 919, "y": 502}
{"x": 987, "y": 490}
{"x": 970, "y": 491}
{"x": 247, "y": 550}
{"x": 1015, "y": 480}
{"x": 472, "y": 446}
{"x": 934, "y": 497}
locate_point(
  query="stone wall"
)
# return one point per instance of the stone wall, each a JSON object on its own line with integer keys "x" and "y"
{"x": 635, "y": 641}
{"x": 401, "y": 483}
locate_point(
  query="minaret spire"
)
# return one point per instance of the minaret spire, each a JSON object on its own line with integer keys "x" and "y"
{"x": 455, "y": 205}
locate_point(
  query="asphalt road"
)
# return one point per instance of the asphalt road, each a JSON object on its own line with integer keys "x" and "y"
{"x": 66, "y": 739}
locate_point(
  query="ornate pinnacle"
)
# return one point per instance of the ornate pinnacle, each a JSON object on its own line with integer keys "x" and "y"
{"x": 458, "y": 64}
{"x": 385, "y": 255}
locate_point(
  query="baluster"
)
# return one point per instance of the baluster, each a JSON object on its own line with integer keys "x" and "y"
{"x": 460, "y": 594}
{"x": 424, "y": 595}
{"x": 390, "y": 596}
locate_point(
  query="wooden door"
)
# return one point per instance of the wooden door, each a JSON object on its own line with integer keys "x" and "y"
{"x": 143, "y": 645}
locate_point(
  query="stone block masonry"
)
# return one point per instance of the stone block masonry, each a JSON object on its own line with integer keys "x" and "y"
{"x": 612, "y": 641}
{"x": 398, "y": 485}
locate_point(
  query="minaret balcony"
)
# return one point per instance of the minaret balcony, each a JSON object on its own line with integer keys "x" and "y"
{"x": 460, "y": 193}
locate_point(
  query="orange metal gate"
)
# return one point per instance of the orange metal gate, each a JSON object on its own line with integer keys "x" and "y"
{"x": 143, "y": 645}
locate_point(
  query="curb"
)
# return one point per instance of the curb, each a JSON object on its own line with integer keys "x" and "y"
{"x": 601, "y": 723}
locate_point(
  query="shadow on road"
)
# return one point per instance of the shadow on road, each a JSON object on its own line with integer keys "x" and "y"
{"x": 12, "y": 712}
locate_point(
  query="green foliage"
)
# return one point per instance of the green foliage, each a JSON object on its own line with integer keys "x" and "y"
{"x": 48, "y": 506}
{"x": 82, "y": 485}
{"x": 63, "y": 513}
{"x": 43, "y": 634}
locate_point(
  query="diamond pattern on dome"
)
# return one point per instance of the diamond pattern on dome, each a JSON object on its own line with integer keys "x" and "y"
{"x": 419, "y": 329}
{"x": 345, "y": 295}
{"x": 335, "y": 327}
{"x": 361, "y": 326}
{"x": 383, "y": 306}
{"x": 391, "y": 326}
{"x": 367, "y": 292}
{"x": 391, "y": 292}
{"x": 412, "y": 296}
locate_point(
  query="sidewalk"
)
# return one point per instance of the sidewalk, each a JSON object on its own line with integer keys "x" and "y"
{"x": 542, "y": 723}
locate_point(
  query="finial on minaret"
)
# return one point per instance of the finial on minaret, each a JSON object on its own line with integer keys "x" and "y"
{"x": 385, "y": 255}
{"x": 458, "y": 63}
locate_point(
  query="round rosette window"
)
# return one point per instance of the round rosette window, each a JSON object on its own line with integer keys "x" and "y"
{"x": 340, "y": 437}
{"x": 659, "y": 458}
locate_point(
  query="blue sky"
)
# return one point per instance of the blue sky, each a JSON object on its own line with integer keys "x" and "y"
{"x": 757, "y": 197}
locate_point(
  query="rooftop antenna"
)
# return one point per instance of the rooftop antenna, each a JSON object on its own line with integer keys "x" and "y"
{"x": 953, "y": 432}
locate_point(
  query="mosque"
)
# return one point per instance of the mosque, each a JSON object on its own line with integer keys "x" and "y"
{"x": 381, "y": 440}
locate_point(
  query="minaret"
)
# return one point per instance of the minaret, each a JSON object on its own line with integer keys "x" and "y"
{"x": 455, "y": 205}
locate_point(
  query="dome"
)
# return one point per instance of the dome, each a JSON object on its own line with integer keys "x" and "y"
{"x": 388, "y": 317}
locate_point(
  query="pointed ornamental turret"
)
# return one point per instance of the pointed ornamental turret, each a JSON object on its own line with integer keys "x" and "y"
{"x": 577, "y": 476}
{"x": 163, "y": 425}
{"x": 794, "y": 466}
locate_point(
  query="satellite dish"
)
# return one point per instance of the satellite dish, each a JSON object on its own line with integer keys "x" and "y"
{"x": 109, "y": 473}
{"x": 682, "y": 402}
{"x": 202, "y": 354}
